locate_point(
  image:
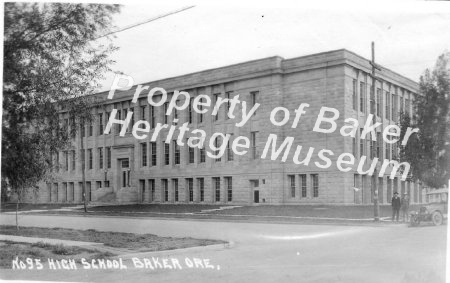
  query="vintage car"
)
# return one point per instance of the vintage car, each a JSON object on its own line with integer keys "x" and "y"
{"x": 434, "y": 211}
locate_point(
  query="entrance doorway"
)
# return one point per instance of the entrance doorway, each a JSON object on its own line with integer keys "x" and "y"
{"x": 256, "y": 196}
{"x": 124, "y": 172}
{"x": 254, "y": 186}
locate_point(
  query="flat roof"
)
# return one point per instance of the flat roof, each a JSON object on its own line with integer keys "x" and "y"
{"x": 277, "y": 64}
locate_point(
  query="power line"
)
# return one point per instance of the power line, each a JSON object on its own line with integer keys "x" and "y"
{"x": 147, "y": 21}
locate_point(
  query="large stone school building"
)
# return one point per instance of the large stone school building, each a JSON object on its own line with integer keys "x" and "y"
{"x": 127, "y": 170}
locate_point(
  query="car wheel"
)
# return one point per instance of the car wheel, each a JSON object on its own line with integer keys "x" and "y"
{"x": 437, "y": 218}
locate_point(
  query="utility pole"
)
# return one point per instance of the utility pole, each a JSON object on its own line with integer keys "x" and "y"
{"x": 376, "y": 205}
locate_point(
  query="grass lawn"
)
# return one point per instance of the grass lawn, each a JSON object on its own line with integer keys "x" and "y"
{"x": 8, "y": 207}
{"x": 126, "y": 241}
{"x": 43, "y": 251}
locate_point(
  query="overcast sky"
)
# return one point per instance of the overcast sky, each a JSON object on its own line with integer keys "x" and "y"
{"x": 409, "y": 35}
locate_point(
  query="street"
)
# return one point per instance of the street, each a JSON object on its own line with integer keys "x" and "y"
{"x": 263, "y": 252}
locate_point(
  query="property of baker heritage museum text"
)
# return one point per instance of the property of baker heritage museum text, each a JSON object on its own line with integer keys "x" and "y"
{"x": 266, "y": 131}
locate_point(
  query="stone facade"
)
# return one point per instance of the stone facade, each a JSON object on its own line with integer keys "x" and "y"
{"x": 117, "y": 173}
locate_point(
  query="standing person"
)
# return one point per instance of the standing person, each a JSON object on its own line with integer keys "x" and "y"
{"x": 405, "y": 206}
{"x": 396, "y": 204}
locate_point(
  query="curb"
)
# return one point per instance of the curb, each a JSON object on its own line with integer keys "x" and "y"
{"x": 274, "y": 219}
{"x": 224, "y": 246}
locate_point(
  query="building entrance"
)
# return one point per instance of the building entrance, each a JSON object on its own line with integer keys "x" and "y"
{"x": 254, "y": 186}
{"x": 124, "y": 172}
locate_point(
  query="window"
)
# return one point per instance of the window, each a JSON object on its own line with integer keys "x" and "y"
{"x": 216, "y": 144}
{"x": 152, "y": 116}
{"x": 191, "y": 101}
{"x": 144, "y": 154}
{"x": 190, "y": 185}
{"x": 372, "y": 101}
{"x": 56, "y": 191}
{"x": 107, "y": 119}
{"x": 361, "y": 143}
{"x": 387, "y": 108}
{"x": 200, "y": 108}
{"x": 66, "y": 160}
{"x": 191, "y": 154}
{"x": 151, "y": 183}
{"x": 216, "y": 182}
{"x": 143, "y": 112}
{"x": 57, "y": 161}
{"x": 108, "y": 157}
{"x": 394, "y": 108}
{"x": 401, "y": 104}
{"x": 130, "y": 126}
{"x": 292, "y": 185}
{"x": 362, "y": 97}
{"x": 98, "y": 184}
{"x": 100, "y": 158}
{"x": 100, "y": 124}
{"x": 91, "y": 161}
{"x": 229, "y": 184}
{"x": 66, "y": 125}
{"x": 388, "y": 151}
{"x": 389, "y": 189}
{"x": 354, "y": 146}
{"x": 175, "y": 111}
{"x": 372, "y": 149}
{"x": 230, "y": 155}
{"x": 91, "y": 129}
{"x": 50, "y": 161}
{"x": 64, "y": 190}
{"x": 119, "y": 117}
{"x": 216, "y": 98}
{"x": 228, "y": 94}
{"x": 379, "y": 105}
{"x": 82, "y": 130}
{"x": 106, "y": 184}
{"x": 153, "y": 149}
{"x": 379, "y": 145}
{"x": 303, "y": 184}
{"x": 72, "y": 127}
{"x": 83, "y": 158}
{"x": 394, "y": 151}
{"x": 253, "y": 144}
{"x": 354, "y": 95}
{"x": 166, "y": 153}
{"x": 202, "y": 155}
{"x": 166, "y": 117}
{"x": 315, "y": 184}
{"x": 165, "y": 185}
{"x": 254, "y": 97}
{"x": 175, "y": 188}
{"x": 407, "y": 106}
{"x": 176, "y": 151}
{"x": 201, "y": 188}
{"x": 73, "y": 160}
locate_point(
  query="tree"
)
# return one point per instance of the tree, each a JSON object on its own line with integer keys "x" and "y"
{"x": 52, "y": 62}
{"x": 428, "y": 151}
